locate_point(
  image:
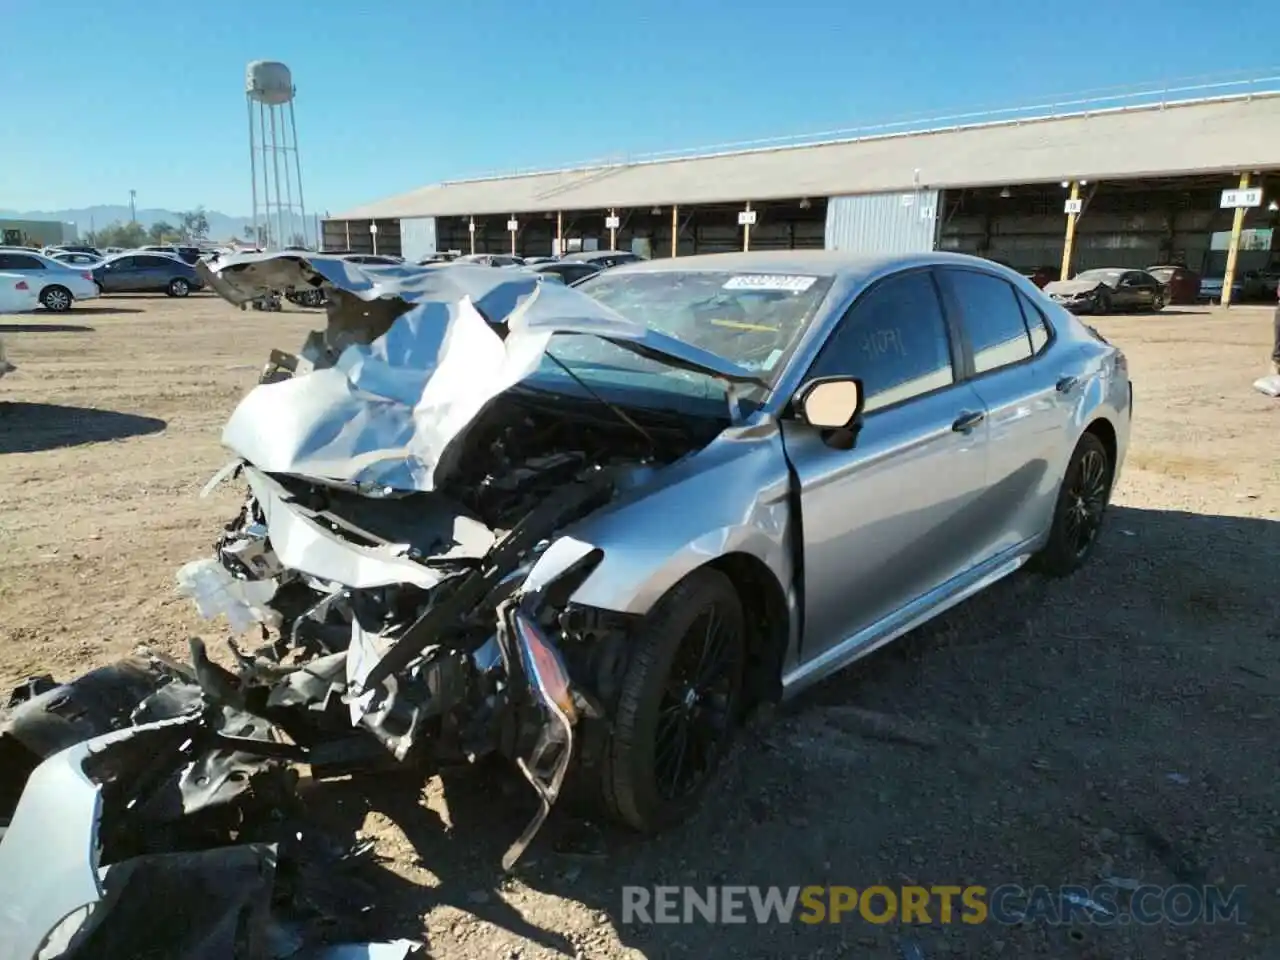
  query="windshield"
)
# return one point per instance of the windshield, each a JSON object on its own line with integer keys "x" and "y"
{"x": 1109, "y": 277}
{"x": 753, "y": 320}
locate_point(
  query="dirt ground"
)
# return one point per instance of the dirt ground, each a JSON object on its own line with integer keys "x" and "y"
{"x": 1121, "y": 723}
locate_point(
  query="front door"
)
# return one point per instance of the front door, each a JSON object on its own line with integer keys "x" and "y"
{"x": 886, "y": 521}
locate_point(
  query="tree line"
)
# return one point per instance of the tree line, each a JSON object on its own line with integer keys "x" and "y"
{"x": 192, "y": 227}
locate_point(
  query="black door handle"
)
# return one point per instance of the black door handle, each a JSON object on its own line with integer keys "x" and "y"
{"x": 968, "y": 420}
{"x": 1066, "y": 384}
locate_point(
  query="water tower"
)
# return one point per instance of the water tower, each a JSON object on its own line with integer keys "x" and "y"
{"x": 273, "y": 147}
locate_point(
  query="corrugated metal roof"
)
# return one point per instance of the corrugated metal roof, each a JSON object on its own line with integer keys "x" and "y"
{"x": 1206, "y": 136}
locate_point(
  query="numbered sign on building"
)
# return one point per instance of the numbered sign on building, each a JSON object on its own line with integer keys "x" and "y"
{"x": 1237, "y": 199}
{"x": 1073, "y": 206}
{"x": 513, "y": 225}
{"x": 746, "y": 218}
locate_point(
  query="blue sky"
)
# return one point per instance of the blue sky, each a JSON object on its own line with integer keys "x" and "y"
{"x": 395, "y": 94}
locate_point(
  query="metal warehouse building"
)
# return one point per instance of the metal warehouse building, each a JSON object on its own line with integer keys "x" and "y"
{"x": 1165, "y": 181}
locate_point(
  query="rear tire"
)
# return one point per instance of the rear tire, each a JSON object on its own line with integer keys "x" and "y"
{"x": 56, "y": 299}
{"x": 679, "y": 704}
{"x": 1104, "y": 304}
{"x": 178, "y": 287}
{"x": 1082, "y": 503}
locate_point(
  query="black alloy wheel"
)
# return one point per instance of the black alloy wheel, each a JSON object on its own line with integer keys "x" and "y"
{"x": 1082, "y": 504}
{"x": 696, "y": 713}
{"x": 679, "y": 704}
{"x": 1087, "y": 499}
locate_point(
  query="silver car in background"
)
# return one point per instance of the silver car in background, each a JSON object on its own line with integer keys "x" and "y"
{"x": 58, "y": 285}
{"x": 586, "y": 528}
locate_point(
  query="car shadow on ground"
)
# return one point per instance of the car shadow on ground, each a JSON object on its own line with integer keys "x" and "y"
{"x": 33, "y": 427}
{"x": 1046, "y": 731}
{"x": 44, "y": 328}
{"x": 102, "y": 308}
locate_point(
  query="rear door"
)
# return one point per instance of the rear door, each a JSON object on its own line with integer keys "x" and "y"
{"x": 887, "y": 521}
{"x": 1029, "y": 405}
{"x": 155, "y": 272}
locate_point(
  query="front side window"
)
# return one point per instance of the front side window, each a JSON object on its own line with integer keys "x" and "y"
{"x": 992, "y": 319}
{"x": 894, "y": 339}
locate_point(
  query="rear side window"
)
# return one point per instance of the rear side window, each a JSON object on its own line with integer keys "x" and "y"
{"x": 992, "y": 318}
{"x": 894, "y": 338}
{"x": 1037, "y": 325}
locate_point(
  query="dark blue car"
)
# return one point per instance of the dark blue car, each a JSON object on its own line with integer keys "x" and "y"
{"x": 146, "y": 273}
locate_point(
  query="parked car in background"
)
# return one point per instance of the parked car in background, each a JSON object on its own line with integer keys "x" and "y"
{"x": 146, "y": 273}
{"x": 1211, "y": 290}
{"x": 533, "y": 261}
{"x": 1261, "y": 284}
{"x": 603, "y": 258}
{"x": 570, "y": 271}
{"x": 58, "y": 285}
{"x": 492, "y": 259}
{"x": 1181, "y": 284}
{"x": 1042, "y": 276}
{"x": 372, "y": 259}
{"x": 75, "y": 258}
{"x": 110, "y": 250}
{"x": 1105, "y": 289}
{"x": 71, "y": 248}
{"x": 185, "y": 253}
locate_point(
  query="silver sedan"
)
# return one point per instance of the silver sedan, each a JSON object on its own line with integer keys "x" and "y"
{"x": 790, "y": 459}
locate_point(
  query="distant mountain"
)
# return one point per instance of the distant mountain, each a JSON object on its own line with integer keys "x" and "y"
{"x": 221, "y": 226}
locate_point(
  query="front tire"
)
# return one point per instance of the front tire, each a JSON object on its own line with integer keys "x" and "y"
{"x": 178, "y": 287}
{"x": 56, "y": 299}
{"x": 1082, "y": 502}
{"x": 679, "y": 704}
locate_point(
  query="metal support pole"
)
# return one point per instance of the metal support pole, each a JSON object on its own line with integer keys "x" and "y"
{"x": 746, "y": 231}
{"x": 513, "y": 236}
{"x": 559, "y": 234}
{"x": 1233, "y": 251}
{"x": 471, "y": 229}
{"x": 373, "y": 233}
{"x": 253, "y": 168}
{"x": 297, "y": 165}
{"x": 613, "y": 232}
{"x": 264, "y": 241}
{"x": 347, "y": 226}
{"x": 675, "y": 230}
{"x": 1070, "y": 243}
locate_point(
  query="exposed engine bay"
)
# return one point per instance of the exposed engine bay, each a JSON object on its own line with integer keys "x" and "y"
{"x": 379, "y": 618}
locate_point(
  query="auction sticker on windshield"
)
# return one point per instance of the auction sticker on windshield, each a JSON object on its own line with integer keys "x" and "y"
{"x": 769, "y": 281}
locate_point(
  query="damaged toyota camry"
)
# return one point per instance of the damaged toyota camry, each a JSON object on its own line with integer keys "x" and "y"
{"x": 588, "y": 528}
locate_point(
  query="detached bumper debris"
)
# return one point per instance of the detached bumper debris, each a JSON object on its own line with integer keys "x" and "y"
{"x": 398, "y": 585}
{"x": 158, "y": 833}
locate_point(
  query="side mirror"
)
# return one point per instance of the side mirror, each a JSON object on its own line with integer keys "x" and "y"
{"x": 830, "y": 403}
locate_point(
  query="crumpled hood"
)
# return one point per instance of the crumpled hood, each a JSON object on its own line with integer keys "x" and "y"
{"x": 421, "y": 352}
{"x": 1071, "y": 288}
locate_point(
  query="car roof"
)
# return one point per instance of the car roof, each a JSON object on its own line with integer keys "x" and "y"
{"x": 826, "y": 263}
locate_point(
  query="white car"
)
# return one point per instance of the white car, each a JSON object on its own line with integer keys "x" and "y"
{"x": 57, "y": 285}
{"x": 16, "y": 296}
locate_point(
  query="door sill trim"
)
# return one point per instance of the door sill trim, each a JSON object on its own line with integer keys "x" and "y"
{"x": 904, "y": 620}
